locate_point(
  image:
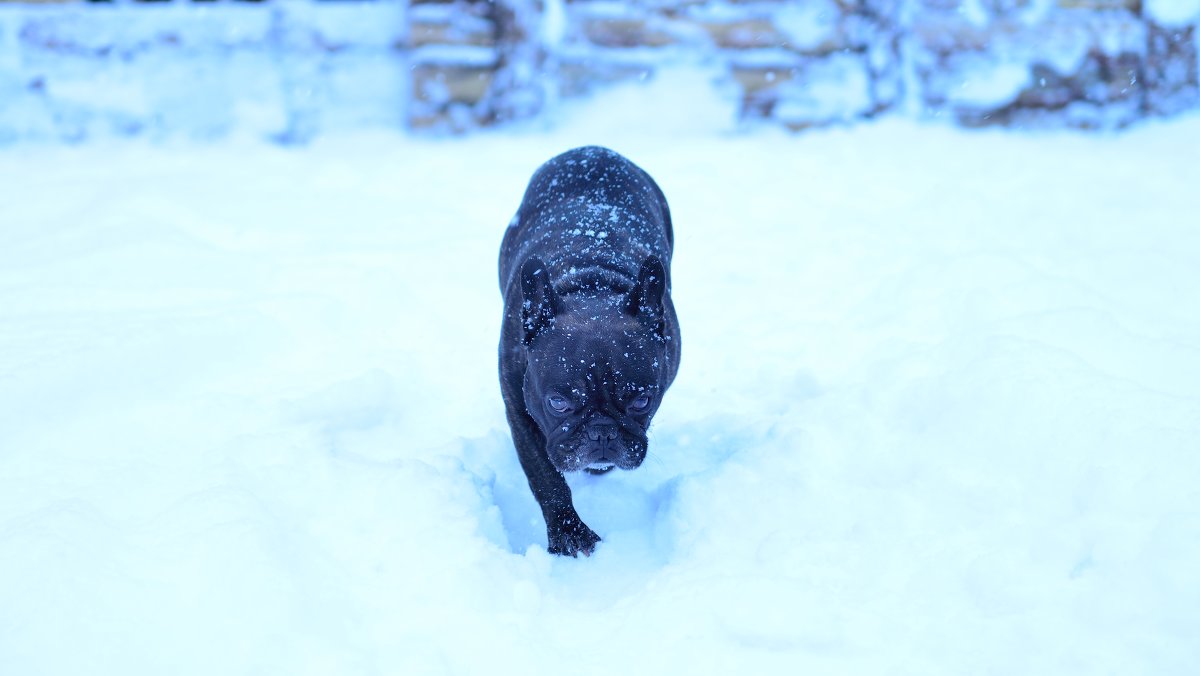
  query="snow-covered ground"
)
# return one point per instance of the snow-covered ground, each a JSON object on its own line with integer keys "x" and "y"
{"x": 939, "y": 408}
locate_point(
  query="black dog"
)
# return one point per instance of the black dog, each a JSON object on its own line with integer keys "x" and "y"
{"x": 590, "y": 341}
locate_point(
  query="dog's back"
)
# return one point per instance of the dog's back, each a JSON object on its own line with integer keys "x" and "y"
{"x": 593, "y": 217}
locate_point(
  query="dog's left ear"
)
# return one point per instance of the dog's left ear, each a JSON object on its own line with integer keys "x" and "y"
{"x": 539, "y": 303}
{"x": 645, "y": 299}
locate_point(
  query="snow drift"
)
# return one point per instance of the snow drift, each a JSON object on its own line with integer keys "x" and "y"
{"x": 937, "y": 413}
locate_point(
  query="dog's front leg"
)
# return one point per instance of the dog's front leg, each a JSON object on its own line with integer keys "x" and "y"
{"x": 566, "y": 533}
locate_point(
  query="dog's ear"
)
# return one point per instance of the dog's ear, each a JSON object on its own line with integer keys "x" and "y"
{"x": 645, "y": 300}
{"x": 539, "y": 302}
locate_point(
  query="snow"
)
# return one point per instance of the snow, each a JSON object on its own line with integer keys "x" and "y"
{"x": 1172, "y": 12}
{"x": 808, "y": 24}
{"x": 835, "y": 88}
{"x": 76, "y": 71}
{"x": 937, "y": 411}
{"x": 553, "y": 24}
{"x": 991, "y": 84}
{"x": 464, "y": 55}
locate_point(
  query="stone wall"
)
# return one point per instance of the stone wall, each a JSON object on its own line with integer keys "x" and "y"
{"x": 799, "y": 63}
{"x": 285, "y": 70}
{"x": 292, "y": 68}
{"x": 1087, "y": 63}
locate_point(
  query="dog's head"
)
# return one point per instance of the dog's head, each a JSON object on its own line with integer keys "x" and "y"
{"x": 597, "y": 368}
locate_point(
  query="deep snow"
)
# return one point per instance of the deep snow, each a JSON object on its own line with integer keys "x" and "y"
{"x": 938, "y": 412}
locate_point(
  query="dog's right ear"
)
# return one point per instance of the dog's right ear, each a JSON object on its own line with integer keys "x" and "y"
{"x": 645, "y": 300}
{"x": 539, "y": 302}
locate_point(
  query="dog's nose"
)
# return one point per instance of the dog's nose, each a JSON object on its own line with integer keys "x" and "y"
{"x": 598, "y": 431}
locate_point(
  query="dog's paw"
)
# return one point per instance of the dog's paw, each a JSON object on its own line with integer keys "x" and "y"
{"x": 570, "y": 537}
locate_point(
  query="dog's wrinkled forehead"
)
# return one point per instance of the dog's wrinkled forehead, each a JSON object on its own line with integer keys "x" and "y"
{"x": 627, "y": 357}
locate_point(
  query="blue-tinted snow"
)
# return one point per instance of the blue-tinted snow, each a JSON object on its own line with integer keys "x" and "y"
{"x": 937, "y": 413}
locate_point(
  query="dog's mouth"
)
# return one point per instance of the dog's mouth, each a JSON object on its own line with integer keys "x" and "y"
{"x": 576, "y": 462}
{"x": 597, "y": 458}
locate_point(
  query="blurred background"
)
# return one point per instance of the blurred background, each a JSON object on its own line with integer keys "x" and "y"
{"x": 292, "y": 69}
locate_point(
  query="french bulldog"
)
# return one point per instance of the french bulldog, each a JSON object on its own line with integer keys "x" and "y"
{"x": 590, "y": 341}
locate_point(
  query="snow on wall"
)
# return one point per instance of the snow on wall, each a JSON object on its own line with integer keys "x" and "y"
{"x": 284, "y": 70}
{"x": 1090, "y": 63}
{"x": 1097, "y": 63}
{"x": 292, "y": 68}
{"x": 1172, "y": 12}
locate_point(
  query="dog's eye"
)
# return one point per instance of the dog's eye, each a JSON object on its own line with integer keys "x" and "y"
{"x": 559, "y": 404}
{"x": 640, "y": 404}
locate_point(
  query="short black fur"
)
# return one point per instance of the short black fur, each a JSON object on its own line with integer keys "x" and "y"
{"x": 590, "y": 340}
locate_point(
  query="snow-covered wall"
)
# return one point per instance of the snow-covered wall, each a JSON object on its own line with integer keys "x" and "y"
{"x": 282, "y": 69}
{"x": 292, "y": 68}
{"x": 1089, "y": 63}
